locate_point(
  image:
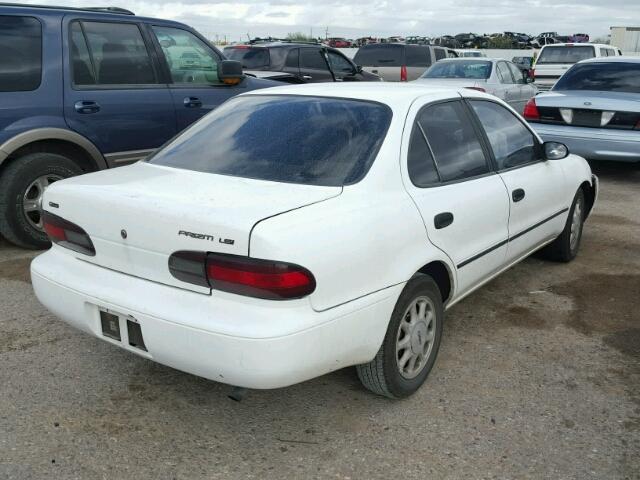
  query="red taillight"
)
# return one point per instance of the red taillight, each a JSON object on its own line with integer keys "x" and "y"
{"x": 531, "y": 110}
{"x": 241, "y": 275}
{"x": 532, "y": 73}
{"x": 480, "y": 89}
{"x": 67, "y": 234}
{"x": 403, "y": 73}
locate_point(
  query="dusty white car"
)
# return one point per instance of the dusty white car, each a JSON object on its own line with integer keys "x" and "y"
{"x": 305, "y": 229}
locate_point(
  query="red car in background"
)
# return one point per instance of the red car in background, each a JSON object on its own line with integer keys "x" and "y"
{"x": 338, "y": 43}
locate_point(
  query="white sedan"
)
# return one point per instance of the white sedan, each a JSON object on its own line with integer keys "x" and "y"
{"x": 495, "y": 76}
{"x": 303, "y": 229}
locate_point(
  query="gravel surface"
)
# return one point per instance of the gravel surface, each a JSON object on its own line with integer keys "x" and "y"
{"x": 538, "y": 377}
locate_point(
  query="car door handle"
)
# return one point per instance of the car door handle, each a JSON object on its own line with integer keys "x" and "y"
{"x": 443, "y": 220}
{"x": 87, "y": 106}
{"x": 517, "y": 194}
{"x": 307, "y": 77}
{"x": 192, "y": 102}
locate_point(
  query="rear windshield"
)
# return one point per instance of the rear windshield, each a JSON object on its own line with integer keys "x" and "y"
{"x": 249, "y": 57}
{"x": 551, "y": 55}
{"x": 462, "y": 69}
{"x": 292, "y": 139}
{"x": 380, "y": 55}
{"x": 608, "y": 77}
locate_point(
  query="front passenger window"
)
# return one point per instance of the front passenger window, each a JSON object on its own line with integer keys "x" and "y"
{"x": 456, "y": 149}
{"x": 512, "y": 143}
{"x": 312, "y": 59}
{"x": 189, "y": 59}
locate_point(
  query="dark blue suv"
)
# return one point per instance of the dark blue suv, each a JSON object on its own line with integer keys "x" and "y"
{"x": 87, "y": 89}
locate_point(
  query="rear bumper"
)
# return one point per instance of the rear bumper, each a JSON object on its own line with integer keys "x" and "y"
{"x": 253, "y": 344}
{"x": 594, "y": 143}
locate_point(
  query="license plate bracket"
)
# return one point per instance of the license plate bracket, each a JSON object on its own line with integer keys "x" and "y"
{"x": 110, "y": 325}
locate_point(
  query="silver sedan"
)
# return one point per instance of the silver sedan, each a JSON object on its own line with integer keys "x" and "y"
{"x": 495, "y": 76}
{"x": 594, "y": 109}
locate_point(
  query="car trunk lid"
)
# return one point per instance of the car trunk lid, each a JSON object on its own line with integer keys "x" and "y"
{"x": 615, "y": 110}
{"x": 138, "y": 215}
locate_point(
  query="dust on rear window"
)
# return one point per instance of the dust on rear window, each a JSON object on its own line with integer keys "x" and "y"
{"x": 283, "y": 138}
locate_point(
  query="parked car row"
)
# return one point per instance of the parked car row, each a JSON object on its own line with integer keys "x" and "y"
{"x": 211, "y": 255}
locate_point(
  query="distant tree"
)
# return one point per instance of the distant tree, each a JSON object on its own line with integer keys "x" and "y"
{"x": 299, "y": 37}
{"x": 500, "y": 42}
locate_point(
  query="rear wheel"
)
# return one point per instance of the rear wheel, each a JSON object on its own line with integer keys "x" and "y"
{"x": 411, "y": 343}
{"x": 566, "y": 246}
{"x": 22, "y": 186}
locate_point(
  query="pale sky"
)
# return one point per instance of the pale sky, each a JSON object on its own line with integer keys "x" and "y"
{"x": 357, "y": 18}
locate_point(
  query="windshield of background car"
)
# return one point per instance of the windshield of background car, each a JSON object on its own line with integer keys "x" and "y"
{"x": 380, "y": 55}
{"x": 551, "y": 55}
{"x": 606, "y": 77}
{"x": 249, "y": 57}
{"x": 281, "y": 138}
{"x": 463, "y": 69}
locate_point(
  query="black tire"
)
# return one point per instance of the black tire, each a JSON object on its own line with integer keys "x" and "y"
{"x": 14, "y": 181}
{"x": 561, "y": 249}
{"x": 382, "y": 374}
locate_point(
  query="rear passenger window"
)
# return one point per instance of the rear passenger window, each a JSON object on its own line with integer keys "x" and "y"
{"x": 21, "y": 57}
{"x": 440, "y": 53}
{"x": 118, "y": 54}
{"x": 512, "y": 143}
{"x": 312, "y": 58}
{"x": 503, "y": 73}
{"x": 417, "y": 56}
{"x": 422, "y": 169}
{"x": 292, "y": 59}
{"x": 456, "y": 149}
{"x": 81, "y": 66}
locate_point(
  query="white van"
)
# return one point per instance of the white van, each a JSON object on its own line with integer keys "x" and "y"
{"x": 554, "y": 60}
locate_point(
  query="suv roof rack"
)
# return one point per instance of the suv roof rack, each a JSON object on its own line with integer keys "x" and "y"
{"x": 117, "y": 10}
{"x": 279, "y": 40}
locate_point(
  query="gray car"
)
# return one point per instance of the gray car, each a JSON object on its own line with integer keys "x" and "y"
{"x": 594, "y": 109}
{"x": 495, "y": 76}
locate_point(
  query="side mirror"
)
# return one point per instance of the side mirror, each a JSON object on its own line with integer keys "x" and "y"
{"x": 358, "y": 68}
{"x": 555, "y": 150}
{"x": 230, "y": 72}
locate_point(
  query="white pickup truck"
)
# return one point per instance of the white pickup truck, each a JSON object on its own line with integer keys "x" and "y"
{"x": 556, "y": 59}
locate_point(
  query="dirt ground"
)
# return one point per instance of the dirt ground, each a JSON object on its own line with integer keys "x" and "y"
{"x": 538, "y": 377}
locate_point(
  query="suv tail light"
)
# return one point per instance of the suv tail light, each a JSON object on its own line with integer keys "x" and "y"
{"x": 531, "y": 110}
{"x": 403, "y": 73}
{"x": 532, "y": 73}
{"x": 252, "y": 277}
{"x": 67, "y": 234}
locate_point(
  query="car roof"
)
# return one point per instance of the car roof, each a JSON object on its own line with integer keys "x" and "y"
{"x": 107, "y": 13}
{"x": 616, "y": 59}
{"x": 578, "y": 44}
{"x": 392, "y": 94}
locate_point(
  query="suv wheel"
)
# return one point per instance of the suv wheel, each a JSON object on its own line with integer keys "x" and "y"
{"x": 22, "y": 185}
{"x": 411, "y": 343}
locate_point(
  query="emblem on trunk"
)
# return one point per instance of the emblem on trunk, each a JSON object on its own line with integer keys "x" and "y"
{"x": 204, "y": 236}
{"x": 123, "y": 233}
{"x": 587, "y": 103}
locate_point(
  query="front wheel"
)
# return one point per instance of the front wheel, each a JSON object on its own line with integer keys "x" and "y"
{"x": 566, "y": 246}
{"x": 411, "y": 343}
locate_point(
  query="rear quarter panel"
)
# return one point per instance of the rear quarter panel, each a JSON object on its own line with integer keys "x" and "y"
{"x": 354, "y": 244}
